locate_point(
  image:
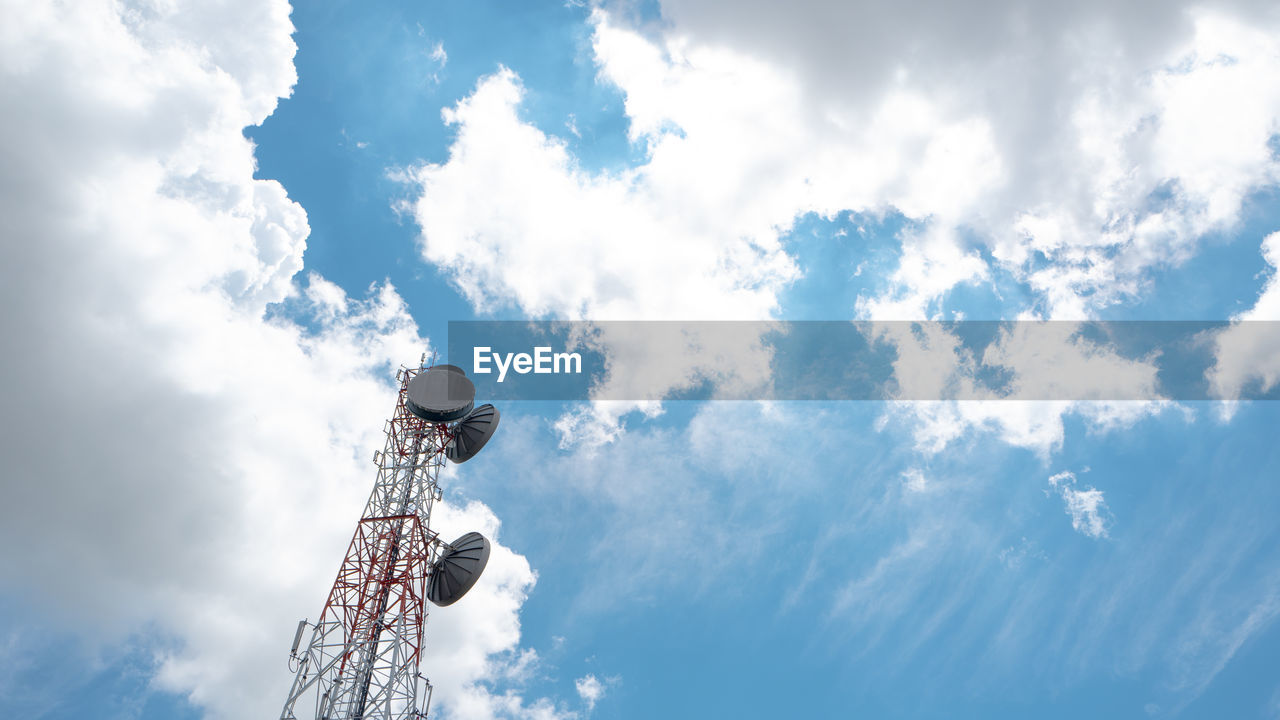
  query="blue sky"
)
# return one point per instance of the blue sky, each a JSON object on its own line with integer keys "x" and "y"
{"x": 215, "y": 265}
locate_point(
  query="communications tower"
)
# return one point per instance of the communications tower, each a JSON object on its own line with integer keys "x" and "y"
{"x": 362, "y": 661}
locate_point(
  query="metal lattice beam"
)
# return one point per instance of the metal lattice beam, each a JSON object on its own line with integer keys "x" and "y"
{"x": 362, "y": 661}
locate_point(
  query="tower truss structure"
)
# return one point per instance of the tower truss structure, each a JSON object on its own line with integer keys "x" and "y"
{"x": 362, "y": 660}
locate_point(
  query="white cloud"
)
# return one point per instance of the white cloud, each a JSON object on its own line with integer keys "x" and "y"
{"x": 439, "y": 58}
{"x": 1052, "y": 372}
{"x": 514, "y": 221}
{"x": 590, "y": 689}
{"x": 913, "y": 480}
{"x": 1247, "y": 351}
{"x": 191, "y": 461}
{"x": 1061, "y": 179}
{"x": 931, "y": 264}
{"x": 1083, "y": 145}
{"x": 1087, "y": 508}
{"x": 1032, "y": 425}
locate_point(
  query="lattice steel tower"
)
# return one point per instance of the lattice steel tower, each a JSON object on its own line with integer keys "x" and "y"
{"x": 362, "y": 661}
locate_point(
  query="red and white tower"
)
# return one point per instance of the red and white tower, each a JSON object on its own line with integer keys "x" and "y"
{"x": 362, "y": 661}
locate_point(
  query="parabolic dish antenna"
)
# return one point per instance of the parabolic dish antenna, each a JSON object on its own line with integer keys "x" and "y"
{"x": 442, "y": 393}
{"x": 472, "y": 433}
{"x": 458, "y": 569}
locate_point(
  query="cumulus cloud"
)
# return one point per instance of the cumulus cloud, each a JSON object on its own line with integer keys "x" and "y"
{"x": 1087, "y": 508}
{"x": 193, "y": 430}
{"x": 516, "y": 222}
{"x": 1134, "y": 133}
{"x": 1091, "y": 142}
{"x": 1129, "y": 132}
